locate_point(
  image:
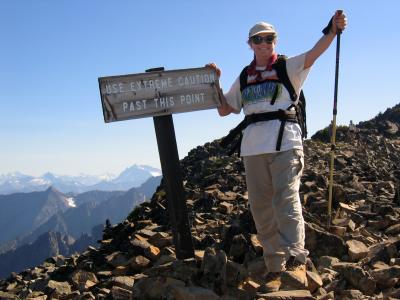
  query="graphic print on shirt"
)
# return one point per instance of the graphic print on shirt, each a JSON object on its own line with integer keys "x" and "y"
{"x": 262, "y": 92}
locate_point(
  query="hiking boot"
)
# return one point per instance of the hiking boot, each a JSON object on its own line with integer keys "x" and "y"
{"x": 272, "y": 282}
{"x": 295, "y": 275}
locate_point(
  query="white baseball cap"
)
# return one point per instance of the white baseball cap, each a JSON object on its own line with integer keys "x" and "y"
{"x": 261, "y": 27}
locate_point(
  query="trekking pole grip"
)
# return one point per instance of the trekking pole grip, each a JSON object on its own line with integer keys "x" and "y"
{"x": 339, "y": 31}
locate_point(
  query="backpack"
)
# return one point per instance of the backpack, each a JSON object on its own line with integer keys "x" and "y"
{"x": 299, "y": 116}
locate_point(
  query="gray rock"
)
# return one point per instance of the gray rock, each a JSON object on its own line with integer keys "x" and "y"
{"x": 156, "y": 287}
{"x": 8, "y": 296}
{"x": 355, "y": 275}
{"x": 386, "y": 277}
{"x": 322, "y": 243}
{"x": 288, "y": 295}
{"x": 125, "y": 282}
{"x": 314, "y": 281}
{"x": 225, "y": 207}
{"x": 161, "y": 239}
{"x": 351, "y": 294}
{"x": 239, "y": 248}
{"x": 183, "y": 270}
{"x": 327, "y": 262}
{"x": 193, "y": 293}
{"x": 139, "y": 263}
{"x": 235, "y": 273}
{"x": 117, "y": 259}
{"x": 393, "y": 230}
{"x": 56, "y": 288}
{"x": 213, "y": 270}
{"x": 119, "y": 293}
{"x": 357, "y": 250}
{"x": 82, "y": 280}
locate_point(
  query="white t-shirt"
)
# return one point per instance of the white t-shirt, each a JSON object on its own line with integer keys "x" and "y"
{"x": 261, "y": 137}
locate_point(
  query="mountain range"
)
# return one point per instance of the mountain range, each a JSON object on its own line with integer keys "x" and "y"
{"x": 132, "y": 176}
{"x": 38, "y": 224}
{"x": 22, "y": 212}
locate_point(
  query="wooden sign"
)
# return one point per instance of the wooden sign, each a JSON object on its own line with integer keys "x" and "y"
{"x": 158, "y": 93}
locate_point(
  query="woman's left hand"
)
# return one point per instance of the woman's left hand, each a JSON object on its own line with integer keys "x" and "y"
{"x": 339, "y": 21}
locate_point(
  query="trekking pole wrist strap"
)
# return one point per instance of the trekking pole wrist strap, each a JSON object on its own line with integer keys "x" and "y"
{"x": 328, "y": 27}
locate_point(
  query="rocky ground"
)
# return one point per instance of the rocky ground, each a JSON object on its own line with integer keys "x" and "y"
{"x": 357, "y": 257}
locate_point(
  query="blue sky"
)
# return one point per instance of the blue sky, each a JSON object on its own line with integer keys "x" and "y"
{"x": 52, "y": 53}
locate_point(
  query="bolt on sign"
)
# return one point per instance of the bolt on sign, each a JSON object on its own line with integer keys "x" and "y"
{"x": 158, "y": 93}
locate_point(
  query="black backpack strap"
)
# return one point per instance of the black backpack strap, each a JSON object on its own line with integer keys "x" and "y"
{"x": 243, "y": 78}
{"x": 236, "y": 147}
{"x": 302, "y": 116}
{"x": 275, "y": 95}
{"x": 280, "y": 136}
{"x": 233, "y": 133}
{"x": 328, "y": 27}
{"x": 281, "y": 72}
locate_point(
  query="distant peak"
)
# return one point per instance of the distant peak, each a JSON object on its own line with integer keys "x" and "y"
{"x": 52, "y": 189}
{"x": 49, "y": 175}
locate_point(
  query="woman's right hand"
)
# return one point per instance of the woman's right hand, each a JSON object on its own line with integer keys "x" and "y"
{"x": 214, "y": 66}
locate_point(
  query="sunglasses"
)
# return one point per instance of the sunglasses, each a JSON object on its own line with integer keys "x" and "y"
{"x": 258, "y": 39}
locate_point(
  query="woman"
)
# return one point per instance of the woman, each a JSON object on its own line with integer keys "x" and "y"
{"x": 272, "y": 150}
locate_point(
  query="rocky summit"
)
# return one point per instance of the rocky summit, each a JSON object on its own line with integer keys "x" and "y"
{"x": 356, "y": 257}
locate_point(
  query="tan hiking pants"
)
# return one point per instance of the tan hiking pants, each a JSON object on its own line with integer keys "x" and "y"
{"x": 273, "y": 182}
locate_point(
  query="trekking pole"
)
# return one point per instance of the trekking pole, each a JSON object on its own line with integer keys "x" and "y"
{"x": 333, "y": 134}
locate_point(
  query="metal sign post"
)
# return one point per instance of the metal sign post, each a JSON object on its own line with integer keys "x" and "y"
{"x": 160, "y": 93}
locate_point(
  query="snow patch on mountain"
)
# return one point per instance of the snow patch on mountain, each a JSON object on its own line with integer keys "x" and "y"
{"x": 70, "y": 202}
{"x": 155, "y": 174}
{"x": 39, "y": 181}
